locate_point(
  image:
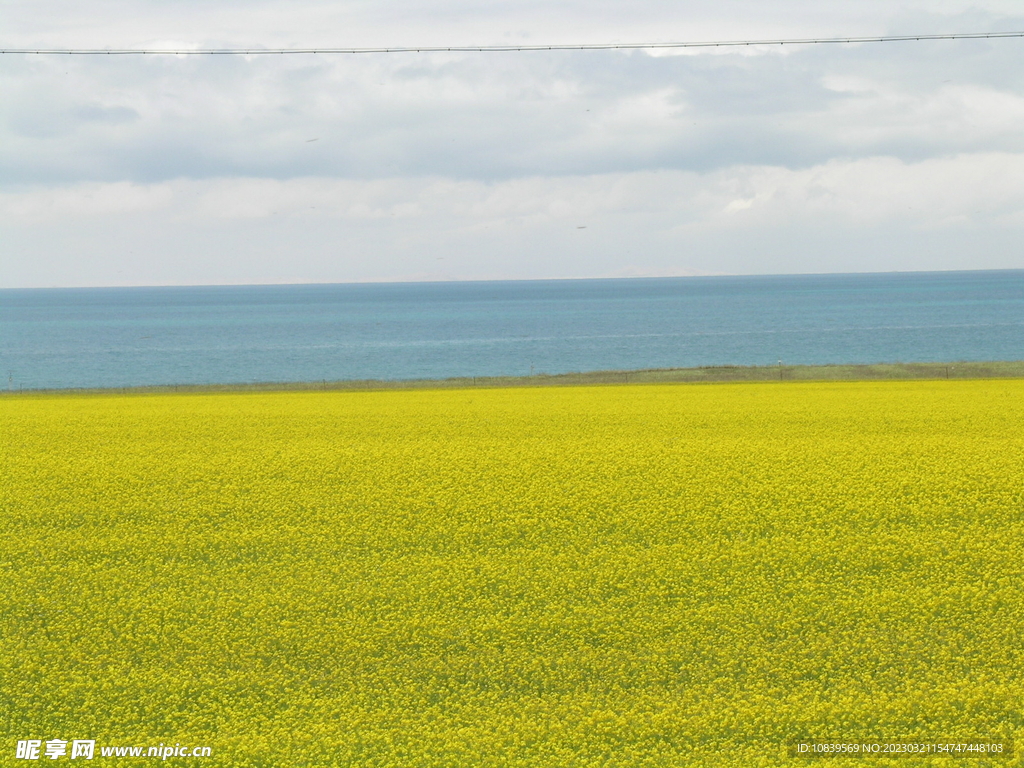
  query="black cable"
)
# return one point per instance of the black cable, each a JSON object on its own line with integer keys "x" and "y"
{"x": 501, "y": 48}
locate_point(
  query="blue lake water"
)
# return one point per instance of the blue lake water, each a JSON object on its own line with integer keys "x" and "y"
{"x": 111, "y": 337}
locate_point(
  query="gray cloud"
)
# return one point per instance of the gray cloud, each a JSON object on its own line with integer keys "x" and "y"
{"x": 501, "y": 116}
{"x": 755, "y": 141}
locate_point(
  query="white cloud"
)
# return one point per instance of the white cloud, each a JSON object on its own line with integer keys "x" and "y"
{"x": 52, "y": 205}
{"x": 930, "y": 194}
{"x": 169, "y": 169}
{"x": 837, "y": 216}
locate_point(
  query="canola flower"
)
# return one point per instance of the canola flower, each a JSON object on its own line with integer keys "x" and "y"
{"x": 598, "y": 576}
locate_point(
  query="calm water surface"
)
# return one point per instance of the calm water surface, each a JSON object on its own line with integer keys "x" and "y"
{"x": 95, "y": 337}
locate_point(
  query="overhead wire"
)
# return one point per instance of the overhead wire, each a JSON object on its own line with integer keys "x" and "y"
{"x": 260, "y": 51}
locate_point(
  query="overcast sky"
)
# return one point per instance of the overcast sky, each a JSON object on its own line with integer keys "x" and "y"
{"x": 162, "y": 170}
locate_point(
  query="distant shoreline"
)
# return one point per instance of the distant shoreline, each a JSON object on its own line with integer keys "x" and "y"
{"x": 704, "y": 374}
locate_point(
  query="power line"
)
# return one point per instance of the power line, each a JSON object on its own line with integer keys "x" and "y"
{"x": 506, "y": 48}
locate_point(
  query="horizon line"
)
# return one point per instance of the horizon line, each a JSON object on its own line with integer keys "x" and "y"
{"x": 506, "y": 279}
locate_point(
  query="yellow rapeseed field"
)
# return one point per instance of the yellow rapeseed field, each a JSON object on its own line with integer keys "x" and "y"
{"x": 607, "y": 576}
